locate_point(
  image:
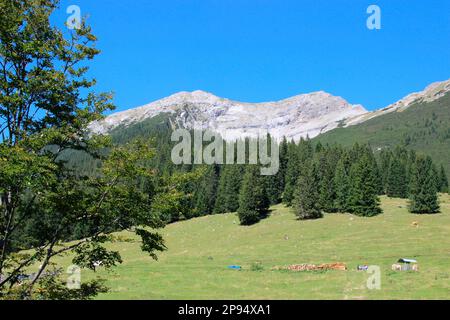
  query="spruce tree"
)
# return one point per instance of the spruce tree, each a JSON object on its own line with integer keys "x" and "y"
{"x": 436, "y": 177}
{"x": 253, "y": 200}
{"x": 319, "y": 147}
{"x": 327, "y": 190}
{"x": 443, "y": 181}
{"x": 298, "y": 156}
{"x": 423, "y": 192}
{"x": 281, "y": 174}
{"x": 306, "y": 197}
{"x": 292, "y": 172}
{"x": 385, "y": 163}
{"x": 227, "y": 199}
{"x": 275, "y": 183}
{"x": 363, "y": 199}
{"x": 272, "y": 188}
{"x": 397, "y": 185}
{"x": 221, "y": 199}
{"x": 410, "y": 163}
{"x": 377, "y": 177}
{"x": 342, "y": 185}
{"x": 206, "y": 192}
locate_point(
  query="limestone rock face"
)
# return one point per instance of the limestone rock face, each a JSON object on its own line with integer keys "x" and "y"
{"x": 300, "y": 116}
{"x": 296, "y": 117}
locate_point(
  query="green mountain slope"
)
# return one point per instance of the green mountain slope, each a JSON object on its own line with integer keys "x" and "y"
{"x": 424, "y": 127}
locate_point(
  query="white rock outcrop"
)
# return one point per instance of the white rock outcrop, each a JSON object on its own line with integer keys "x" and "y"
{"x": 300, "y": 116}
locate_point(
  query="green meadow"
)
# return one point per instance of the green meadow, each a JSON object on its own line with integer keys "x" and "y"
{"x": 200, "y": 250}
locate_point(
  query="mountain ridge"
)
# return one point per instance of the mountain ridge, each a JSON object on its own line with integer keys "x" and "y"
{"x": 300, "y": 116}
{"x": 294, "y": 117}
{"x": 423, "y": 126}
{"x": 431, "y": 93}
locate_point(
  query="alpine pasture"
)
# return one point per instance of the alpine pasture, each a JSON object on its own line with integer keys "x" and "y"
{"x": 201, "y": 249}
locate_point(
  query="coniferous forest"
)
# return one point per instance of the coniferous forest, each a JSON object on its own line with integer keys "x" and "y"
{"x": 313, "y": 179}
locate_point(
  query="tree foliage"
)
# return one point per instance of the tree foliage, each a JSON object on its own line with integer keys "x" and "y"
{"x": 443, "y": 181}
{"x": 363, "y": 196}
{"x": 342, "y": 184}
{"x": 253, "y": 200}
{"x": 306, "y": 195}
{"x": 423, "y": 191}
{"x": 396, "y": 183}
{"x": 46, "y": 106}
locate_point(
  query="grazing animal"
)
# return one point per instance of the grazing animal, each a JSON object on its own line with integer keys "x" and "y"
{"x": 415, "y": 224}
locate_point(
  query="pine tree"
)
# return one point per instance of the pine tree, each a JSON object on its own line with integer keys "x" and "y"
{"x": 253, "y": 200}
{"x": 342, "y": 185}
{"x": 443, "y": 181}
{"x": 397, "y": 185}
{"x": 363, "y": 199}
{"x": 306, "y": 197}
{"x": 423, "y": 192}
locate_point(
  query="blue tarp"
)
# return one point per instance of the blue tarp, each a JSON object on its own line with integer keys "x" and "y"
{"x": 235, "y": 267}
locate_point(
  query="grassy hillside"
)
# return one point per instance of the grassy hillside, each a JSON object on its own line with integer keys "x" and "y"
{"x": 195, "y": 266}
{"x": 424, "y": 127}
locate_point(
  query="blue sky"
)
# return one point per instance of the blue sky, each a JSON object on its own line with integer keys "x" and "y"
{"x": 264, "y": 50}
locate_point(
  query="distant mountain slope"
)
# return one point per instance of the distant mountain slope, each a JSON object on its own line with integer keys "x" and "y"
{"x": 300, "y": 116}
{"x": 423, "y": 126}
{"x": 431, "y": 93}
{"x": 420, "y": 121}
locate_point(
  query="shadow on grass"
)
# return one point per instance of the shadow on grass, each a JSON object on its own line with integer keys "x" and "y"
{"x": 266, "y": 214}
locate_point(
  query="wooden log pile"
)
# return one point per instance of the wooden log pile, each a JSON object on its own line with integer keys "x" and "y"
{"x": 313, "y": 267}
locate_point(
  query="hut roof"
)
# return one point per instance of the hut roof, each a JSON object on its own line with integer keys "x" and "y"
{"x": 405, "y": 260}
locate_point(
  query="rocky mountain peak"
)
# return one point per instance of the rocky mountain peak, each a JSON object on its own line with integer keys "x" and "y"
{"x": 299, "y": 116}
